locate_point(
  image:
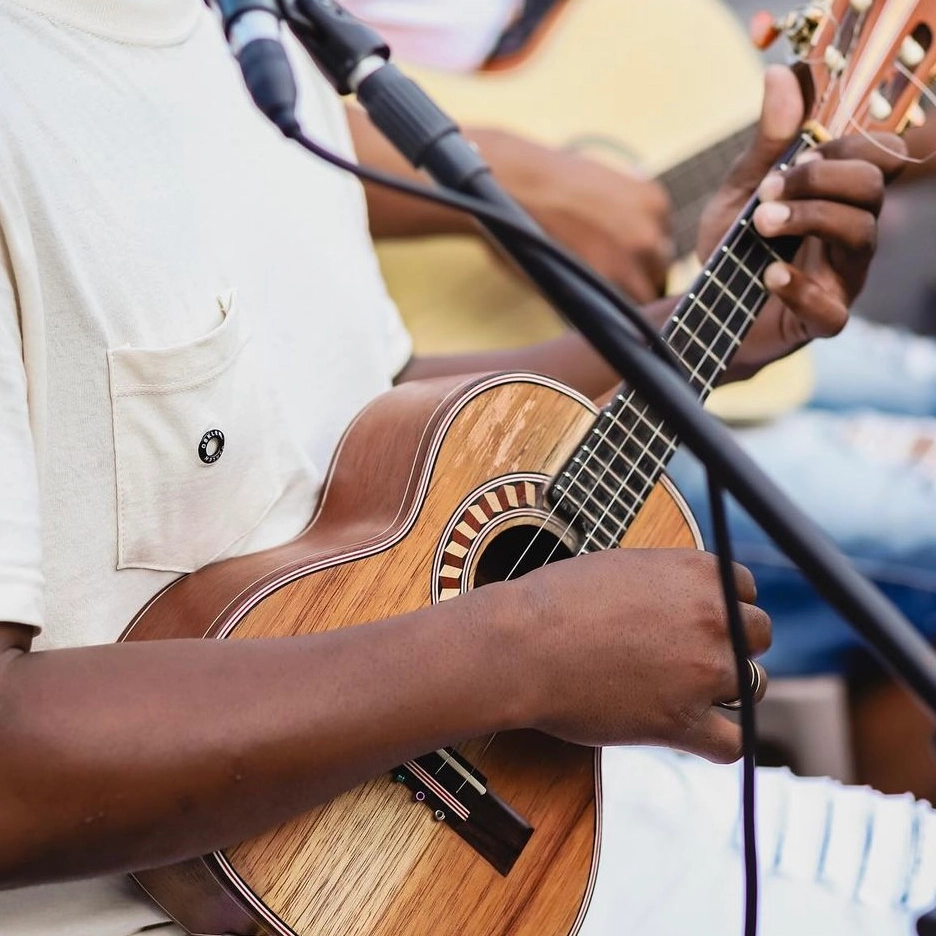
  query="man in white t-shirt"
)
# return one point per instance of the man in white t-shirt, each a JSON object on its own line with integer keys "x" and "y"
{"x": 190, "y": 315}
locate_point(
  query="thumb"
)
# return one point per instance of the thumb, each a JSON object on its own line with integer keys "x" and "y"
{"x": 780, "y": 121}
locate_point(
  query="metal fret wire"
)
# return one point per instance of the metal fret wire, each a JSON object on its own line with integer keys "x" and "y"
{"x": 659, "y": 461}
{"x": 618, "y": 450}
{"x": 729, "y": 252}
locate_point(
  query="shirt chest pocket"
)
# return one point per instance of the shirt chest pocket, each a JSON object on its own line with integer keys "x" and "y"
{"x": 196, "y": 448}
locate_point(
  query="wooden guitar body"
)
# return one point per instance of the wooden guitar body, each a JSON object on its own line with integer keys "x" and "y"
{"x": 436, "y": 488}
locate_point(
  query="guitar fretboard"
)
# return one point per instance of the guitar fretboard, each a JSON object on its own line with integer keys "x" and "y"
{"x": 608, "y": 479}
{"x": 691, "y": 183}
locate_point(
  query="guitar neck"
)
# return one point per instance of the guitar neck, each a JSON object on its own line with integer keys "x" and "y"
{"x": 610, "y": 476}
{"x": 691, "y": 183}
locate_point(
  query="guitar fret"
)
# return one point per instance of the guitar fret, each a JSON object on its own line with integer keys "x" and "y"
{"x": 648, "y": 444}
{"x": 583, "y": 509}
{"x": 602, "y": 494}
{"x": 625, "y": 464}
{"x": 608, "y": 479}
{"x": 599, "y": 479}
{"x": 717, "y": 315}
{"x": 694, "y": 339}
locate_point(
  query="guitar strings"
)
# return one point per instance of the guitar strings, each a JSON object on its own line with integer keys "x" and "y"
{"x": 925, "y": 91}
{"x": 724, "y": 327}
{"x": 602, "y": 474}
{"x": 477, "y": 760}
{"x": 623, "y": 485}
{"x": 618, "y": 450}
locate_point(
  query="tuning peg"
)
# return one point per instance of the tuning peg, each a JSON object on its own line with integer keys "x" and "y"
{"x": 879, "y": 106}
{"x": 765, "y": 30}
{"x": 834, "y": 60}
{"x": 911, "y": 52}
{"x": 916, "y": 116}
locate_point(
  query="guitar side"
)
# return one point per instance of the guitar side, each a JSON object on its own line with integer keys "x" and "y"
{"x": 420, "y": 463}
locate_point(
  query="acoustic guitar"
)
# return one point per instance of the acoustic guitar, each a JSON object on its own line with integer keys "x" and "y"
{"x": 566, "y": 91}
{"x": 579, "y": 88}
{"x": 502, "y": 837}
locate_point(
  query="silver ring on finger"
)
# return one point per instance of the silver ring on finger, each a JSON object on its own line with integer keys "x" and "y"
{"x": 758, "y": 677}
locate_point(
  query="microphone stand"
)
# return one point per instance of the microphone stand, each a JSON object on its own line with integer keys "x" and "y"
{"x": 356, "y": 60}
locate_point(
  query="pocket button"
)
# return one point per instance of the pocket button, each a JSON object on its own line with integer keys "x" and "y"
{"x": 211, "y": 446}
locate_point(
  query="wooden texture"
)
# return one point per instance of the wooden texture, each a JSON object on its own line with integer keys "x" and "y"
{"x": 372, "y": 861}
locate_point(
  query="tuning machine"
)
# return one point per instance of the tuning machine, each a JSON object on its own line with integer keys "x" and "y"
{"x": 799, "y": 27}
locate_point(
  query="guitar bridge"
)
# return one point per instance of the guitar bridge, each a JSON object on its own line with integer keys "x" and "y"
{"x": 458, "y": 795}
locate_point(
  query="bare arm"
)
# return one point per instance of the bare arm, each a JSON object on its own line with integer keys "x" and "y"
{"x": 391, "y": 213}
{"x": 135, "y": 755}
{"x": 568, "y": 358}
{"x": 832, "y": 202}
{"x": 618, "y": 222}
{"x": 123, "y": 757}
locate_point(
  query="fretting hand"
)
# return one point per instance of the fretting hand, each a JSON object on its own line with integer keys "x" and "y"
{"x": 832, "y": 197}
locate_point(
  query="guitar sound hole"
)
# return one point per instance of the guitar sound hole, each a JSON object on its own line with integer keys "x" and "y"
{"x": 517, "y": 550}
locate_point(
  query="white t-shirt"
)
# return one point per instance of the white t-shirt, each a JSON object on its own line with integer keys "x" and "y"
{"x": 456, "y": 35}
{"x": 171, "y": 270}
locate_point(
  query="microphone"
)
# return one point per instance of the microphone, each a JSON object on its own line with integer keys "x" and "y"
{"x": 252, "y": 29}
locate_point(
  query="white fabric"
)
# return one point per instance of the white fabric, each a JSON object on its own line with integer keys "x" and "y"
{"x": 833, "y": 860}
{"x": 169, "y": 265}
{"x": 455, "y": 35}
{"x": 172, "y": 268}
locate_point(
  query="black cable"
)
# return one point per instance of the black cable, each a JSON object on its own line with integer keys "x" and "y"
{"x": 473, "y": 206}
{"x": 746, "y": 693}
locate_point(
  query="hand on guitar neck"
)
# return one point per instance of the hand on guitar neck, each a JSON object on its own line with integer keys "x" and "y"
{"x": 619, "y": 224}
{"x": 832, "y": 196}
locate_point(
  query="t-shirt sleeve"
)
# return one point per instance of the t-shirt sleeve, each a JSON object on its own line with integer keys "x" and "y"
{"x": 21, "y": 581}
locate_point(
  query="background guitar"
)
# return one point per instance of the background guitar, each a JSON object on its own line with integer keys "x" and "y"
{"x": 502, "y": 837}
{"x": 577, "y": 87}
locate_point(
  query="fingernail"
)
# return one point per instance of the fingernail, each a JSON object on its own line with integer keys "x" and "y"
{"x": 777, "y": 275}
{"x": 769, "y": 218}
{"x": 807, "y": 156}
{"x": 771, "y": 188}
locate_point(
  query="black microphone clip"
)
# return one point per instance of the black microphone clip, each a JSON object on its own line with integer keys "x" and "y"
{"x": 337, "y": 41}
{"x": 252, "y": 29}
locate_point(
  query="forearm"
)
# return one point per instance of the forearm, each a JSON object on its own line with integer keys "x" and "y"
{"x": 395, "y": 215}
{"x": 136, "y": 755}
{"x": 568, "y": 358}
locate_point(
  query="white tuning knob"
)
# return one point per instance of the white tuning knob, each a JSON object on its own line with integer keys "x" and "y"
{"x": 861, "y": 6}
{"x": 916, "y": 117}
{"x": 834, "y": 60}
{"x": 911, "y": 52}
{"x": 879, "y": 106}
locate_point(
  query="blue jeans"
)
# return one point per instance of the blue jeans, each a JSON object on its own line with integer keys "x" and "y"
{"x": 857, "y": 459}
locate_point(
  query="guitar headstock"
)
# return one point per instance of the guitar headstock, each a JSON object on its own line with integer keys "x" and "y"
{"x": 863, "y": 64}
